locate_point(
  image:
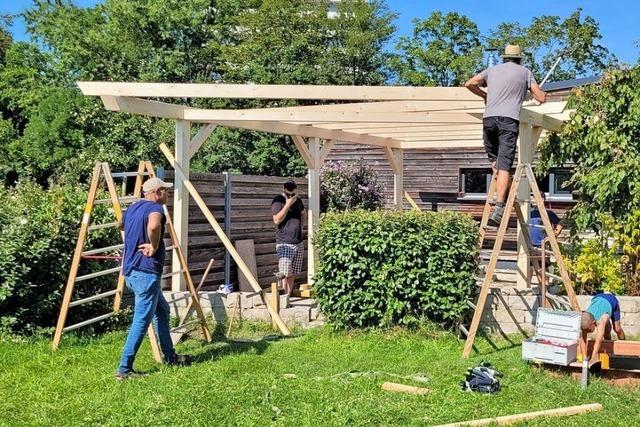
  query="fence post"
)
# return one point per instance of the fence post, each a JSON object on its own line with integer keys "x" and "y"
{"x": 227, "y": 225}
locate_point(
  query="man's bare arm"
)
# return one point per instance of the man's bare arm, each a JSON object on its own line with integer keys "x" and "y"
{"x": 473, "y": 84}
{"x": 154, "y": 230}
{"x": 602, "y": 325}
{"x": 279, "y": 217}
{"x": 538, "y": 94}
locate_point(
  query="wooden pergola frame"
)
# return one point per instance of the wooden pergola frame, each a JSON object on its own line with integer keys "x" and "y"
{"x": 392, "y": 117}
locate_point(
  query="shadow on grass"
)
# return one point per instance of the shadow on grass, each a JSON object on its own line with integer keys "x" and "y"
{"x": 222, "y": 346}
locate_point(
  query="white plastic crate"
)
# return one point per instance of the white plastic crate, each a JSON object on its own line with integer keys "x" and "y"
{"x": 556, "y": 338}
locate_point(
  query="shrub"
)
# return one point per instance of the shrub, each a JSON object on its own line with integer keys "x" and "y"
{"x": 388, "y": 268}
{"x": 38, "y": 233}
{"x": 597, "y": 268}
{"x": 352, "y": 186}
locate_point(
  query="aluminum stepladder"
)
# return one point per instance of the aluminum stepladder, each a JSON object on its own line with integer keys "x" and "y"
{"x": 534, "y": 254}
{"x": 102, "y": 175}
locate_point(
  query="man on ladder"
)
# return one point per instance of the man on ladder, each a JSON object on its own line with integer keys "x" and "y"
{"x": 507, "y": 86}
{"x": 144, "y": 252}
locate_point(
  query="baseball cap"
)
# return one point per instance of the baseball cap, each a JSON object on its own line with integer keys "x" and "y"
{"x": 153, "y": 184}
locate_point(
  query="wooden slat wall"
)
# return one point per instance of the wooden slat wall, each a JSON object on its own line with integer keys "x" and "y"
{"x": 431, "y": 179}
{"x": 251, "y": 218}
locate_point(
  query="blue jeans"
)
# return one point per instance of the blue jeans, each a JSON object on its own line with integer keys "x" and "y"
{"x": 149, "y": 305}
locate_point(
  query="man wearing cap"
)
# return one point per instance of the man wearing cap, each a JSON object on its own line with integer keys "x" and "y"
{"x": 144, "y": 252}
{"x": 507, "y": 86}
{"x": 289, "y": 215}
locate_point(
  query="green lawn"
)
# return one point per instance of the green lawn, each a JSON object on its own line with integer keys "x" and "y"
{"x": 247, "y": 384}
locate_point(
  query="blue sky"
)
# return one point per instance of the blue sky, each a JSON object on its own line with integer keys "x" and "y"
{"x": 618, "y": 18}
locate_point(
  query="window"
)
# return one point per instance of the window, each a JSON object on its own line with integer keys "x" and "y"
{"x": 559, "y": 187}
{"x": 474, "y": 182}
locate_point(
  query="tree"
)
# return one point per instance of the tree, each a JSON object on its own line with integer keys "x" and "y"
{"x": 444, "y": 50}
{"x": 549, "y": 36}
{"x": 602, "y": 140}
{"x": 293, "y": 42}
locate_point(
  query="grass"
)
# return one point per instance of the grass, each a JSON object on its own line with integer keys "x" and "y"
{"x": 297, "y": 381}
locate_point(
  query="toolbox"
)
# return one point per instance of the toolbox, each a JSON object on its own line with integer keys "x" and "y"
{"x": 556, "y": 337}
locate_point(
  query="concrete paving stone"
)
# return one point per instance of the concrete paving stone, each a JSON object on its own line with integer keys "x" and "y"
{"x": 507, "y": 316}
{"x": 296, "y": 315}
{"x": 523, "y": 302}
{"x": 256, "y": 314}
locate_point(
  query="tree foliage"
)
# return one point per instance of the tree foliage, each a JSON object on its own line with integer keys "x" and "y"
{"x": 602, "y": 140}
{"x": 444, "y": 50}
{"x": 547, "y": 37}
{"x": 240, "y": 41}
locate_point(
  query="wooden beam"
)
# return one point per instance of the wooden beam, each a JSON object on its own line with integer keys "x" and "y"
{"x": 313, "y": 216}
{"x": 310, "y": 132}
{"x": 364, "y": 127}
{"x": 301, "y": 145}
{"x": 240, "y": 91}
{"x": 326, "y": 148}
{"x": 202, "y": 135}
{"x": 401, "y": 128}
{"x": 443, "y": 138}
{"x": 525, "y": 155}
{"x": 403, "y": 388}
{"x": 476, "y": 143}
{"x": 618, "y": 347}
{"x": 388, "y": 106}
{"x": 396, "y": 167}
{"x": 181, "y": 201}
{"x": 144, "y": 107}
{"x": 513, "y": 419}
{"x": 401, "y": 134}
{"x": 223, "y": 238}
{"x": 268, "y": 114}
{"x": 396, "y": 160}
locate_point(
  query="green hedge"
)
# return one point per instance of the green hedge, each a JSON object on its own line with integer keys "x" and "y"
{"x": 389, "y": 268}
{"x": 38, "y": 232}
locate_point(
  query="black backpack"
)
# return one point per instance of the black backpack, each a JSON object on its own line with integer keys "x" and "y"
{"x": 483, "y": 379}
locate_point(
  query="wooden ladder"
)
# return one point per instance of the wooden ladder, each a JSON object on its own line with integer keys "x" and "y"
{"x": 102, "y": 173}
{"x": 534, "y": 254}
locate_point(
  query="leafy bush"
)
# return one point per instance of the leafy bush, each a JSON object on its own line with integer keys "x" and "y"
{"x": 38, "y": 233}
{"x": 388, "y": 268}
{"x": 597, "y": 268}
{"x": 349, "y": 186}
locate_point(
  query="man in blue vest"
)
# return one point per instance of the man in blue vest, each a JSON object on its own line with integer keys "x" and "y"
{"x": 144, "y": 253}
{"x": 602, "y": 314}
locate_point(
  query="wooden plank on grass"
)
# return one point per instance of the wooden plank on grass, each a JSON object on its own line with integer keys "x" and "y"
{"x": 403, "y": 388}
{"x": 512, "y": 419}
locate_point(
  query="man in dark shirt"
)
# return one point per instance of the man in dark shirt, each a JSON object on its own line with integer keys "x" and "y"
{"x": 288, "y": 215}
{"x": 143, "y": 260}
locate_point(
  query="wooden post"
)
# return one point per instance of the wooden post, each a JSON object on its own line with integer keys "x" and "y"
{"x": 275, "y": 302}
{"x": 396, "y": 160}
{"x": 314, "y": 206}
{"x": 181, "y": 200}
{"x": 398, "y": 179}
{"x": 525, "y": 155}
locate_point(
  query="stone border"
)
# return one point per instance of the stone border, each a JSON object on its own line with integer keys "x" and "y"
{"x": 302, "y": 312}
{"x": 511, "y": 310}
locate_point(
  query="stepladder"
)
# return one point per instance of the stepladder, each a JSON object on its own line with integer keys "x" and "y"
{"x": 538, "y": 257}
{"x": 117, "y": 202}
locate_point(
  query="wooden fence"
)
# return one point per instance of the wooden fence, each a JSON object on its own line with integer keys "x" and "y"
{"x": 245, "y": 201}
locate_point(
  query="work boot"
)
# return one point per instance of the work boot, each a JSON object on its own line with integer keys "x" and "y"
{"x": 496, "y": 216}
